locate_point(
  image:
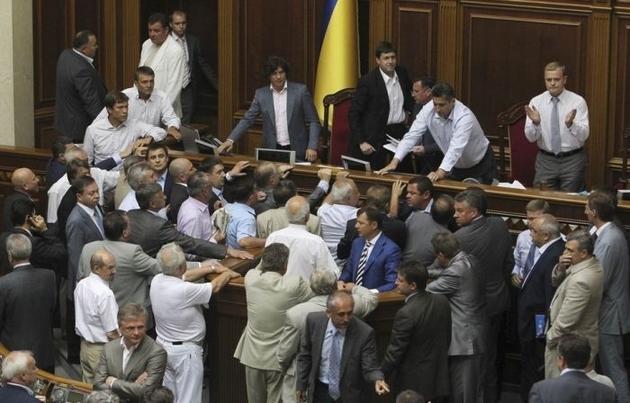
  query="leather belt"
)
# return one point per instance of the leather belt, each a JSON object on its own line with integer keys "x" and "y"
{"x": 562, "y": 154}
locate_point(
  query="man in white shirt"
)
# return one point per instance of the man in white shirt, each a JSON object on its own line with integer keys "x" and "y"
{"x": 111, "y": 137}
{"x": 96, "y": 311}
{"x": 167, "y": 59}
{"x": 149, "y": 105}
{"x": 180, "y": 324}
{"x": 458, "y": 134}
{"x": 557, "y": 120}
{"x": 308, "y": 251}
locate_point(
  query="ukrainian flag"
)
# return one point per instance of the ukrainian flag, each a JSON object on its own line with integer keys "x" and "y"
{"x": 338, "y": 65}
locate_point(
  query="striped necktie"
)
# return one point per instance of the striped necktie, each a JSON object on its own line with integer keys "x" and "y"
{"x": 334, "y": 366}
{"x": 362, "y": 263}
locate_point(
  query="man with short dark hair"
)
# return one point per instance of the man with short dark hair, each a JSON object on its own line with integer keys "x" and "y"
{"x": 80, "y": 90}
{"x": 289, "y": 118}
{"x": 429, "y": 153}
{"x": 166, "y": 57}
{"x": 380, "y": 106}
{"x": 421, "y": 333}
{"x": 56, "y": 167}
{"x": 458, "y": 134}
{"x": 573, "y": 385}
{"x": 157, "y": 157}
{"x": 241, "y": 229}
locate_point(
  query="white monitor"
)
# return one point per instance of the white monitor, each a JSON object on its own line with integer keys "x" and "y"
{"x": 355, "y": 163}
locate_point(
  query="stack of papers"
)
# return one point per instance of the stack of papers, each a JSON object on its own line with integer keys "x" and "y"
{"x": 392, "y": 143}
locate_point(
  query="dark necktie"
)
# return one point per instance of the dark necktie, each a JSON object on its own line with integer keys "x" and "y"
{"x": 529, "y": 263}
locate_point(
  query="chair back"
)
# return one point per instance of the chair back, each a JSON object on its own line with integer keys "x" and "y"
{"x": 522, "y": 153}
{"x": 336, "y": 139}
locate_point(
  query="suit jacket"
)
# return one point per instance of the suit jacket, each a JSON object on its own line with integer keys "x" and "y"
{"x": 197, "y": 64}
{"x": 488, "y": 240}
{"x": 393, "y": 228}
{"x": 611, "y": 249}
{"x": 28, "y": 297}
{"x": 80, "y": 230}
{"x": 179, "y": 194}
{"x": 15, "y": 394}
{"x": 300, "y": 115}
{"x": 421, "y": 228}
{"x": 276, "y": 219}
{"x": 418, "y": 345}
{"x": 6, "y": 208}
{"x": 68, "y": 201}
{"x": 370, "y": 107}
{"x": 148, "y": 357}
{"x": 358, "y": 358}
{"x": 572, "y": 387}
{"x": 79, "y": 95}
{"x": 575, "y": 306}
{"x": 151, "y": 232}
{"x": 47, "y": 251}
{"x": 537, "y": 291}
{"x": 269, "y": 295}
{"x": 461, "y": 283}
{"x": 381, "y": 266}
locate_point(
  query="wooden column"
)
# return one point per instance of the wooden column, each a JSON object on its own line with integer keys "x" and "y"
{"x": 447, "y": 55}
{"x": 227, "y": 65}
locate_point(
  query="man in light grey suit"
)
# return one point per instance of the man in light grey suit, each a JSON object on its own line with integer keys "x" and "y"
{"x": 323, "y": 283}
{"x": 611, "y": 250}
{"x": 460, "y": 279}
{"x": 270, "y": 293}
{"x": 287, "y": 112}
{"x": 133, "y": 364}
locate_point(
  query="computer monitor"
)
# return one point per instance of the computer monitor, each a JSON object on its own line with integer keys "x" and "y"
{"x": 271, "y": 154}
{"x": 355, "y": 163}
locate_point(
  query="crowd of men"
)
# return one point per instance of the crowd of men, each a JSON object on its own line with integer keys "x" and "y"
{"x": 128, "y": 254}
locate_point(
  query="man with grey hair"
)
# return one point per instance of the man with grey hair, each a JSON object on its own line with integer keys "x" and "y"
{"x": 308, "y": 251}
{"x": 139, "y": 175}
{"x": 579, "y": 279}
{"x": 28, "y": 296}
{"x": 339, "y": 207}
{"x": 95, "y": 311}
{"x": 179, "y": 320}
{"x": 193, "y": 218}
{"x": 270, "y": 293}
{"x": 18, "y": 375}
{"x": 102, "y": 396}
{"x": 323, "y": 282}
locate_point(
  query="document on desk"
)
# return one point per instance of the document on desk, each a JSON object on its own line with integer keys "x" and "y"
{"x": 514, "y": 185}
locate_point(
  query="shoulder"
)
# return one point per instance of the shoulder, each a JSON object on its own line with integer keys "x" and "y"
{"x": 538, "y": 99}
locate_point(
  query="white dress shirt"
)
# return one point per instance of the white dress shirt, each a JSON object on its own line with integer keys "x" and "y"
{"x": 103, "y": 140}
{"x": 521, "y": 250}
{"x": 105, "y": 180}
{"x": 396, "y": 98}
{"x": 181, "y": 41}
{"x": 333, "y": 219}
{"x": 571, "y": 137}
{"x": 126, "y": 353}
{"x": 459, "y": 137}
{"x": 129, "y": 202}
{"x": 280, "y": 111}
{"x": 168, "y": 62}
{"x": 194, "y": 220}
{"x": 177, "y": 305}
{"x": 307, "y": 251}
{"x": 95, "y": 309}
{"x": 155, "y": 111}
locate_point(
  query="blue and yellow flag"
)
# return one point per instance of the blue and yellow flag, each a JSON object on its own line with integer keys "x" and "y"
{"x": 338, "y": 65}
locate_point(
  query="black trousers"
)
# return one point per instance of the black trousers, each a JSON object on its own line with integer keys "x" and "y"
{"x": 321, "y": 394}
{"x": 532, "y": 365}
{"x": 484, "y": 171}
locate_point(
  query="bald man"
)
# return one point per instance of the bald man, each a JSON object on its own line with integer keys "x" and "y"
{"x": 180, "y": 169}
{"x": 25, "y": 186}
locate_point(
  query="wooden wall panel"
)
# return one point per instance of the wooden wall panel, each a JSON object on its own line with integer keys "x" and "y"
{"x": 415, "y": 35}
{"x": 619, "y": 114}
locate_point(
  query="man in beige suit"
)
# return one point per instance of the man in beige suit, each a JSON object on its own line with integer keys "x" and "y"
{"x": 269, "y": 293}
{"x": 575, "y": 306}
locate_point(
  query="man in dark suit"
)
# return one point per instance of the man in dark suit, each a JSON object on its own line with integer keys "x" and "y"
{"x": 18, "y": 374}
{"x": 420, "y": 337}
{"x": 25, "y": 185}
{"x": 180, "y": 170}
{"x": 572, "y": 386}
{"x": 380, "y": 105}
{"x": 374, "y": 257}
{"x": 80, "y": 90}
{"x": 288, "y": 114}
{"x": 535, "y": 297}
{"x": 489, "y": 241}
{"x": 196, "y": 64}
{"x": 143, "y": 370}
{"x": 344, "y": 347}
{"x": 151, "y": 231}
{"x": 157, "y": 157}
{"x": 28, "y": 296}
{"x": 459, "y": 278}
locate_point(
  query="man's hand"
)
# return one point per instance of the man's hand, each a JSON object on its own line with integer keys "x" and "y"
{"x": 533, "y": 114}
{"x": 142, "y": 378}
{"x": 345, "y": 286}
{"x": 37, "y": 223}
{"x": 174, "y": 133}
{"x": 311, "y": 155}
{"x": 517, "y": 280}
{"x": 398, "y": 187}
{"x": 238, "y": 168}
{"x": 225, "y": 147}
{"x": 366, "y": 148}
{"x": 390, "y": 167}
{"x": 110, "y": 381}
{"x": 564, "y": 262}
{"x": 342, "y": 174}
{"x": 418, "y": 150}
{"x": 284, "y": 170}
{"x": 141, "y": 150}
{"x": 570, "y": 116}
{"x": 300, "y": 395}
{"x": 239, "y": 254}
{"x": 324, "y": 174}
{"x": 381, "y": 387}
{"x": 437, "y": 175}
